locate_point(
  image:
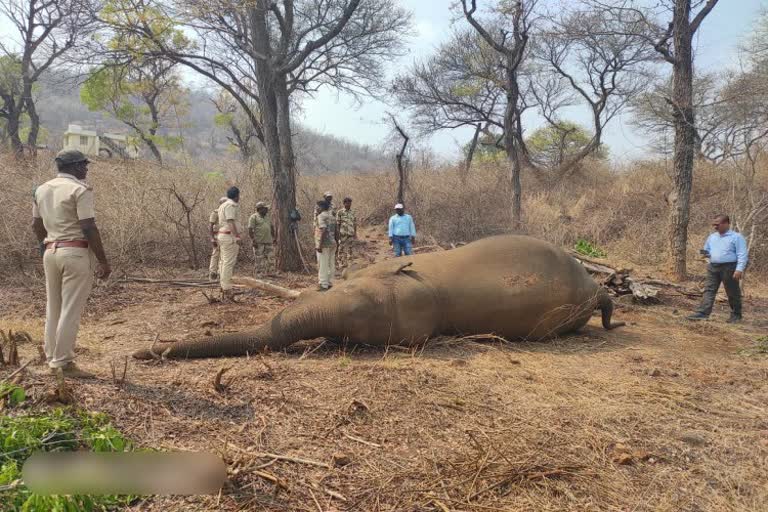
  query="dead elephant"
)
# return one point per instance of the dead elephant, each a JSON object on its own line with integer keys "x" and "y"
{"x": 516, "y": 287}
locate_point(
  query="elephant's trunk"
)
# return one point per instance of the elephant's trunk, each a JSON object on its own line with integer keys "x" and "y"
{"x": 297, "y": 322}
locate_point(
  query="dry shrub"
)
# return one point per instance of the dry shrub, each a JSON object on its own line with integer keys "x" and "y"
{"x": 622, "y": 210}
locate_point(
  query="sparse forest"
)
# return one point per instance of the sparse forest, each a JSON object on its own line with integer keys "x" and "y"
{"x": 615, "y": 132}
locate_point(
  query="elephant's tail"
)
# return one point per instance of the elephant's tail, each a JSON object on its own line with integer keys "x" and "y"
{"x": 605, "y": 305}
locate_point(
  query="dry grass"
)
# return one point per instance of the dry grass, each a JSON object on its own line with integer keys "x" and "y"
{"x": 661, "y": 415}
{"x": 658, "y": 416}
{"x": 623, "y": 211}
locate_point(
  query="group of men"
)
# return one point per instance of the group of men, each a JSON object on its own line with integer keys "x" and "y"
{"x": 334, "y": 234}
{"x": 64, "y": 224}
{"x": 226, "y": 240}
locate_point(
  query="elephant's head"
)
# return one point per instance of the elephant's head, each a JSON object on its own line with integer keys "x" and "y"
{"x": 366, "y": 308}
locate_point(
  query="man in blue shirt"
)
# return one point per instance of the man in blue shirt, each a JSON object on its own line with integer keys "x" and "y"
{"x": 402, "y": 232}
{"x": 727, "y": 253}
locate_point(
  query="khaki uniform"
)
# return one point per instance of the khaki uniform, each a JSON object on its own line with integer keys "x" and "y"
{"x": 325, "y": 234}
{"x": 61, "y": 203}
{"x": 347, "y": 224}
{"x": 228, "y": 247}
{"x": 213, "y": 268}
{"x": 262, "y": 243}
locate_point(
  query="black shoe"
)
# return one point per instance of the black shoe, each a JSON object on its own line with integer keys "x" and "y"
{"x": 697, "y": 316}
{"x": 734, "y": 319}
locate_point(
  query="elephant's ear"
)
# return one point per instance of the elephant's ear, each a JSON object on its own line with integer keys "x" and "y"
{"x": 393, "y": 268}
{"x": 401, "y": 268}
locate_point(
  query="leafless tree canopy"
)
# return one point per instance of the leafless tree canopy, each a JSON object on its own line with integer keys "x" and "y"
{"x": 460, "y": 85}
{"x": 592, "y": 61}
{"x": 45, "y": 31}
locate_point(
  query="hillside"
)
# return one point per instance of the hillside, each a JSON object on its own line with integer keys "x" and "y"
{"x": 59, "y": 104}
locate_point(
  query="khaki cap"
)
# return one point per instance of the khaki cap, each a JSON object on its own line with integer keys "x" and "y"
{"x": 262, "y": 204}
{"x": 70, "y": 156}
{"x": 328, "y": 194}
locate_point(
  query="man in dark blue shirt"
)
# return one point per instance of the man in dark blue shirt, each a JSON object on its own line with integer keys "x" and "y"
{"x": 728, "y": 257}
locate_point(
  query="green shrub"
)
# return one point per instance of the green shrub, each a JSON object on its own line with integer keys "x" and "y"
{"x": 57, "y": 430}
{"x": 588, "y": 249}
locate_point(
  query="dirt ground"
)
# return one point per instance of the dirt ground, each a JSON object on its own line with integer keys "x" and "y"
{"x": 661, "y": 415}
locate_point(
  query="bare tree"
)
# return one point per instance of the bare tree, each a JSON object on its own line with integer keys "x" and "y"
{"x": 456, "y": 87}
{"x": 673, "y": 41}
{"x": 180, "y": 211}
{"x": 46, "y": 31}
{"x": 12, "y": 107}
{"x": 243, "y": 135}
{"x": 401, "y": 160}
{"x": 592, "y": 61}
{"x": 653, "y": 114}
{"x": 284, "y": 48}
{"x": 513, "y": 24}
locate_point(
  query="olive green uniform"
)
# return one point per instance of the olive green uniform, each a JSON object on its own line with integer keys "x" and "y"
{"x": 263, "y": 252}
{"x": 346, "y": 222}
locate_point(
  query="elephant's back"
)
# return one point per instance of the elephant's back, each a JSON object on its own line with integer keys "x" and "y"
{"x": 516, "y": 287}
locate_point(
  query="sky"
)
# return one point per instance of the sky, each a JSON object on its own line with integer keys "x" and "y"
{"x": 716, "y": 46}
{"x": 328, "y": 112}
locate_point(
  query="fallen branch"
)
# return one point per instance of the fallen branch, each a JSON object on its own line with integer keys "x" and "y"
{"x": 17, "y": 371}
{"x": 427, "y": 248}
{"x": 271, "y": 478}
{"x": 288, "y": 458}
{"x": 274, "y": 456}
{"x": 361, "y": 441}
{"x": 217, "y": 385}
{"x": 170, "y": 282}
{"x": 258, "y": 284}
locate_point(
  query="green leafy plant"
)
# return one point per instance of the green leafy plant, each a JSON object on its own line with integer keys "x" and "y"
{"x": 57, "y": 430}
{"x": 12, "y": 394}
{"x": 589, "y": 249}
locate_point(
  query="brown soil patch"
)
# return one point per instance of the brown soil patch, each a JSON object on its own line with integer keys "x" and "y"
{"x": 662, "y": 415}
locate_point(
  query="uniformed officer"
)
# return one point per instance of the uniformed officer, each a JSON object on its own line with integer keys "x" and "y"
{"x": 327, "y": 197}
{"x": 325, "y": 246}
{"x": 229, "y": 241}
{"x": 213, "y": 227}
{"x": 63, "y": 219}
{"x": 262, "y": 235}
{"x": 346, "y": 222}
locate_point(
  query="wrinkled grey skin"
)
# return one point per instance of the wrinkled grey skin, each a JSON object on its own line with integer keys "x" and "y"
{"x": 516, "y": 287}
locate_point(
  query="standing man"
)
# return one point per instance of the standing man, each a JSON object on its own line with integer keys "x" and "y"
{"x": 402, "y": 232}
{"x": 262, "y": 235}
{"x": 213, "y": 227}
{"x": 727, "y": 253}
{"x": 325, "y": 246}
{"x": 346, "y": 222}
{"x": 63, "y": 220}
{"x": 327, "y": 197}
{"x": 229, "y": 241}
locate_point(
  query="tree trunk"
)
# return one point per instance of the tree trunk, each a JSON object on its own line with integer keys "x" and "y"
{"x": 14, "y": 125}
{"x": 685, "y": 138}
{"x": 284, "y": 185}
{"x": 470, "y": 155}
{"x": 275, "y": 114}
{"x": 153, "y": 148}
{"x": 512, "y": 128}
{"x": 34, "y": 119}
